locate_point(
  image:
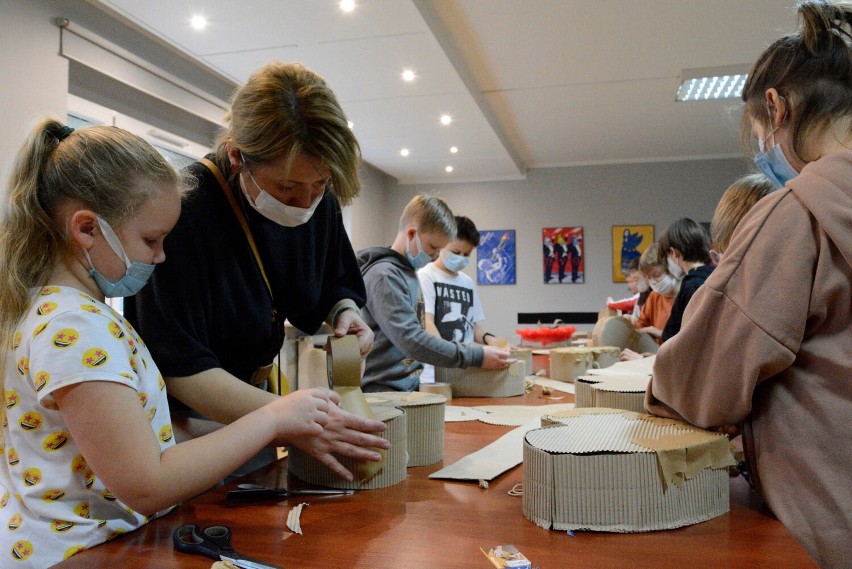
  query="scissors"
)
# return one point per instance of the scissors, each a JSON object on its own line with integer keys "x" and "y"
{"x": 213, "y": 542}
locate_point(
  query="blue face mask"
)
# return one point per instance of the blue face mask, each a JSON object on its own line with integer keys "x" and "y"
{"x": 135, "y": 277}
{"x": 455, "y": 262}
{"x": 422, "y": 259}
{"x": 775, "y": 166}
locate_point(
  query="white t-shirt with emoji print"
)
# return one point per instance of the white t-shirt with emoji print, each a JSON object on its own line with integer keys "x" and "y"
{"x": 51, "y": 503}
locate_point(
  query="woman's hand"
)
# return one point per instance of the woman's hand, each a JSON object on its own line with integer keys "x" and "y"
{"x": 627, "y": 354}
{"x": 350, "y": 322}
{"x": 311, "y": 420}
{"x": 496, "y": 358}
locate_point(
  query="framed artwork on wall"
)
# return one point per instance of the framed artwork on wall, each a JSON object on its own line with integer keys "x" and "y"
{"x": 564, "y": 256}
{"x": 628, "y": 243}
{"x": 495, "y": 257}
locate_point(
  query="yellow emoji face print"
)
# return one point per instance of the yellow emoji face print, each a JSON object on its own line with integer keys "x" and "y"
{"x": 151, "y": 412}
{"x": 31, "y": 421}
{"x": 61, "y": 526}
{"x": 22, "y": 550}
{"x": 115, "y": 330}
{"x": 133, "y": 365}
{"x": 55, "y": 441}
{"x": 32, "y": 476}
{"x": 48, "y": 290}
{"x": 53, "y": 495}
{"x": 16, "y": 340}
{"x": 72, "y": 551}
{"x": 108, "y": 496}
{"x": 78, "y": 464}
{"x": 160, "y": 383}
{"x": 65, "y": 338}
{"x": 15, "y": 522}
{"x": 89, "y": 478}
{"x": 4, "y": 499}
{"x": 90, "y": 308}
{"x": 133, "y": 349}
{"x": 166, "y": 433}
{"x": 82, "y": 510}
{"x": 39, "y": 329}
{"x": 23, "y": 366}
{"x": 12, "y": 457}
{"x": 143, "y": 398}
{"x": 11, "y": 399}
{"x": 46, "y": 308}
{"x": 95, "y": 357}
{"x": 41, "y": 379}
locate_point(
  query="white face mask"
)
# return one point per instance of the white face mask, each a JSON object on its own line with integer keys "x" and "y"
{"x": 665, "y": 286}
{"x": 274, "y": 210}
{"x": 674, "y": 268}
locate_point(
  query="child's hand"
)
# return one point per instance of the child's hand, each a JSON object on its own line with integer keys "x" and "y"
{"x": 496, "y": 358}
{"x": 628, "y": 354}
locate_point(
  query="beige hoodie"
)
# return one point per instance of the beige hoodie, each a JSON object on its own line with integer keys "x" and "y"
{"x": 767, "y": 341}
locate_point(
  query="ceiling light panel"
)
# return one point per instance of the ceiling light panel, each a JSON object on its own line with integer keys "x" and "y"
{"x": 711, "y": 83}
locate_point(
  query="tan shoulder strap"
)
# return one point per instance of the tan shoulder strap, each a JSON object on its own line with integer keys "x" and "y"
{"x": 240, "y": 216}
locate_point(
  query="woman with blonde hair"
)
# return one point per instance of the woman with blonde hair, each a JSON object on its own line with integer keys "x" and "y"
{"x": 89, "y": 451}
{"x": 260, "y": 241}
{"x": 765, "y": 343}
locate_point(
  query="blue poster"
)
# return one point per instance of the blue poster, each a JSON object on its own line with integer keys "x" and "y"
{"x": 495, "y": 257}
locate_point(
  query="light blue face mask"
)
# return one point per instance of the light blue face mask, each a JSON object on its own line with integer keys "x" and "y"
{"x": 775, "y": 166}
{"x": 422, "y": 259}
{"x": 455, "y": 262}
{"x": 135, "y": 277}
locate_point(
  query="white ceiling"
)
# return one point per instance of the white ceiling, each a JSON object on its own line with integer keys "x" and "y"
{"x": 529, "y": 83}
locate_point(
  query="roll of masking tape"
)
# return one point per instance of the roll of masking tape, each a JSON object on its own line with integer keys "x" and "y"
{"x": 344, "y": 362}
{"x": 444, "y": 389}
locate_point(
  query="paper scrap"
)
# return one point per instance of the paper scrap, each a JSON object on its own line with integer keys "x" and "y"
{"x": 293, "y": 518}
{"x": 492, "y": 460}
{"x": 453, "y": 413}
{"x": 503, "y": 556}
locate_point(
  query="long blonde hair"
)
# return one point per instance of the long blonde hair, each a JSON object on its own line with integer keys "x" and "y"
{"x": 103, "y": 168}
{"x": 285, "y": 110}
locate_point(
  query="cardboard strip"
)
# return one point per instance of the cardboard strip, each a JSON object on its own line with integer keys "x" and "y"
{"x": 490, "y": 461}
{"x": 344, "y": 375}
{"x": 438, "y": 388}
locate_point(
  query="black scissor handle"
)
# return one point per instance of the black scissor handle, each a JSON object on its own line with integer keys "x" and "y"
{"x": 210, "y": 542}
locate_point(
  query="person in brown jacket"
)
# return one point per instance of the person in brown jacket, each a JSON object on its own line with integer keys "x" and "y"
{"x": 767, "y": 341}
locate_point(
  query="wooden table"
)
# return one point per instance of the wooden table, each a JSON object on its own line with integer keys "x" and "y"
{"x": 422, "y": 523}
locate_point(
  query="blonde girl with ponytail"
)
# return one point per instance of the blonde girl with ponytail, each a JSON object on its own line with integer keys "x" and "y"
{"x": 88, "y": 447}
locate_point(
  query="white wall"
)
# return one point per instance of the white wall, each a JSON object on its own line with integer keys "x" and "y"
{"x": 594, "y": 197}
{"x": 35, "y": 78}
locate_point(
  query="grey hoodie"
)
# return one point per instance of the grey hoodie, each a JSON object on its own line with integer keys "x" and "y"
{"x": 395, "y": 313}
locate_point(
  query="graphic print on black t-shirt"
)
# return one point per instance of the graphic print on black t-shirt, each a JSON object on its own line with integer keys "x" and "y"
{"x": 453, "y": 311}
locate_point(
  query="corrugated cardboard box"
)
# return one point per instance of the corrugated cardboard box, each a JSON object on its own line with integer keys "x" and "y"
{"x": 425, "y": 422}
{"x": 478, "y": 382}
{"x": 312, "y": 471}
{"x": 616, "y": 391}
{"x": 618, "y": 471}
{"x": 566, "y": 364}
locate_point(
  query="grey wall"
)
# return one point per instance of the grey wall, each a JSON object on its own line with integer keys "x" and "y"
{"x": 594, "y": 197}
{"x": 35, "y": 78}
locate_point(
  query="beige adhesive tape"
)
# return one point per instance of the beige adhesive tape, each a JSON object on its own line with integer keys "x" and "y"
{"x": 344, "y": 361}
{"x": 344, "y": 374}
{"x": 444, "y": 389}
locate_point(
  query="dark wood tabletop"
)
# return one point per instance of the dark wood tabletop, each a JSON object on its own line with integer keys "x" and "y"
{"x": 422, "y": 523}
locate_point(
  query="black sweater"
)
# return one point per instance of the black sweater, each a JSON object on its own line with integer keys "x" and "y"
{"x": 693, "y": 279}
{"x": 207, "y": 305}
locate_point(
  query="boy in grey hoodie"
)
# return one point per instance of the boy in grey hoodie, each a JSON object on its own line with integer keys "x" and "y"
{"x": 395, "y": 311}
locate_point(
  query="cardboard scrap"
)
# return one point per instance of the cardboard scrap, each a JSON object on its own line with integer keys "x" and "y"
{"x": 293, "y": 518}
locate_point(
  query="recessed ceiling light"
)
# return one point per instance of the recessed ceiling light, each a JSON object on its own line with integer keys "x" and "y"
{"x": 449, "y": 169}
{"x": 446, "y": 119}
{"x": 347, "y": 5}
{"x": 350, "y": 124}
{"x": 408, "y": 75}
{"x": 707, "y": 83}
{"x": 453, "y": 149}
{"x": 404, "y": 152}
{"x": 198, "y": 22}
